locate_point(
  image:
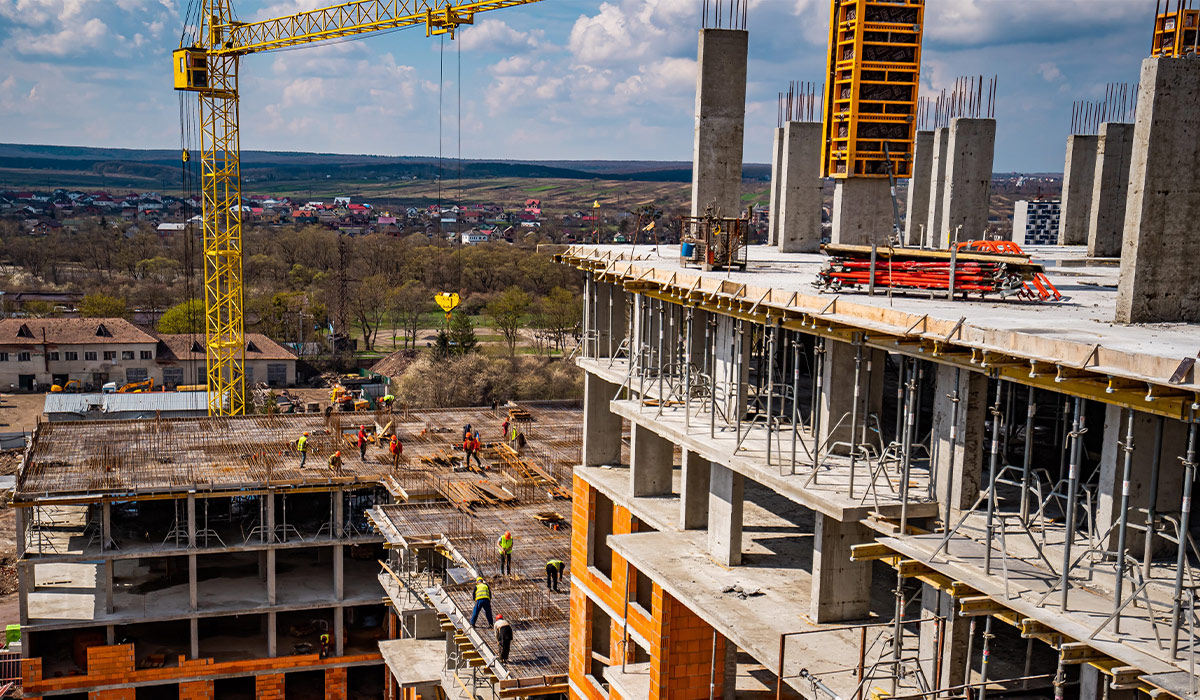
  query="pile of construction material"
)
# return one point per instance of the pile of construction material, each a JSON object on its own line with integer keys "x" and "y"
{"x": 979, "y": 269}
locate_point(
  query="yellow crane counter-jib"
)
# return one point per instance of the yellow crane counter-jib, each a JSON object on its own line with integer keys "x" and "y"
{"x": 209, "y": 67}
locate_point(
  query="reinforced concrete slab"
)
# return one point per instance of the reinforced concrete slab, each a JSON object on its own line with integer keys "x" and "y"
{"x": 414, "y": 662}
{"x": 828, "y": 493}
{"x": 631, "y": 682}
{"x": 1078, "y": 330}
{"x": 660, "y": 512}
{"x": 773, "y": 562}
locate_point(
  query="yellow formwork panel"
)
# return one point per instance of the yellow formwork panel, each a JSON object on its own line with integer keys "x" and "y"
{"x": 872, "y": 85}
{"x": 1175, "y": 33}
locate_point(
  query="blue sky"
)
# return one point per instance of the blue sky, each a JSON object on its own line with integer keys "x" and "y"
{"x": 558, "y": 79}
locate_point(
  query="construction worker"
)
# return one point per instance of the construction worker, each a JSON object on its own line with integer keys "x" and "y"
{"x": 554, "y": 571}
{"x": 325, "y": 645}
{"x": 302, "y": 448}
{"x": 504, "y": 635}
{"x": 388, "y": 400}
{"x": 335, "y": 462}
{"x": 362, "y": 442}
{"x": 396, "y": 449}
{"x": 504, "y": 429}
{"x": 483, "y": 601}
{"x": 469, "y": 451}
{"x": 504, "y": 545}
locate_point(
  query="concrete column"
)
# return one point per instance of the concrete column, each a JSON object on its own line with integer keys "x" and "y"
{"x": 725, "y": 504}
{"x": 339, "y": 513}
{"x": 193, "y": 585}
{"x": 25, "y": 573}
{"x": 108, "y": 586}
{"x": 916, "y": 219}
{"x": 838, "y": 394}
{"x": 601, "y": 427}
{"x": 610, "y": 317}
{"x": 272, "y": 630}
{"x": 191, "y": 519}
{"x": 651, "y": 463}
{"x": 841, "y": 589}
{"x": 106, "y": 526}
{"x": 271, "y": 551}
{"x": 729, "y": 677}
{"x": 194, "y": 634}
{"x": 1160, "y": 252}
{"x": 110, "y": 634}
{"x": 800, "y": 193}
{"x": 969, "y": 155}
{"x": 776, "y": 185}
{"x": 720, "y": 121}
{"x": 193, "y": 578}
{"x": 1112, "y": 471}
{"x": 1106, "y": 222}
{"x": 959, "y": 447}
{"x": 21, "y": 526}
{"x": 954, "y": 643}
{"x": 731, "y": 372}
{"x": 937, "y": 185}
{"x": 1079, "y": 174}
{"x": 862, "y": 211}
{"x": 1091, "y": 686}
{"x": 339, "y": 572}
{"x": 693, "y": 492}
{"x": 339, "y": 631}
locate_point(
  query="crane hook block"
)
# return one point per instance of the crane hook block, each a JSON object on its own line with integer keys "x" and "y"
{"x": 191, "y": 69}
{"x": 186, "y": 156}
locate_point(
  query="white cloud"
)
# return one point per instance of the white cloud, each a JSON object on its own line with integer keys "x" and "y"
{"x": 1050, "y": 72}
{"x": 74, "y": 39}
{"x": 497, "y": 35}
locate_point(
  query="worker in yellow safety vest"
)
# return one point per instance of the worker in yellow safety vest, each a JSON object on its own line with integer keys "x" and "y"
{"x": 554, "y": 572}
{"x": 505, "y": 546}
{"x": 302, "y": 448}
{"x": 483, "y": 601}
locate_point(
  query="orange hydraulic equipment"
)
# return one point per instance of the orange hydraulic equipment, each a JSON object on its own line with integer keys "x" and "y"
{"x": 1175, "y": 31}
{"x": 207, "y": 63}
{"x": 874, "y": 66}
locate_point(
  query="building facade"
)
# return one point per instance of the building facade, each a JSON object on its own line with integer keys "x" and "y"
{"x": 860, "y": 496}
{"x": 1036, "y": 222}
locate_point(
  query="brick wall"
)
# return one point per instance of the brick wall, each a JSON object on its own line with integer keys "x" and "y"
{"x": 682, "y": 654}
{"x": 115, "y": 665}
{"x": 335, "y": 683}
{"x": 200, "y": 690}
{"x": 269, "y": 687}
{"x": 116, "y": 694}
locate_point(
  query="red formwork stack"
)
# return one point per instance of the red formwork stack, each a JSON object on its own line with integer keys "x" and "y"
{"x": 975, "y": 269}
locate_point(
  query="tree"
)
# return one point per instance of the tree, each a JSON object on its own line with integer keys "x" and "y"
{"x": 559, "y": 315}
{"x": 98, "y": 305}
{"x": 506, "y": 312}
{"x": 458, "y": 339}
{"x": 369, "y": 302}
{"x": 410, "y": 301}
{"x": 187, "y": 317}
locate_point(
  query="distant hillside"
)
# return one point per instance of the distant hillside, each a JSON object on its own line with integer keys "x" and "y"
{"x": 27, "y": 165}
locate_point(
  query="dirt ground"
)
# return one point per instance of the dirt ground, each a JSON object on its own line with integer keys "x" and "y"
{"x": 19, "y": 412}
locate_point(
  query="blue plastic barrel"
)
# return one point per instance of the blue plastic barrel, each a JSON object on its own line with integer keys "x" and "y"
{"x": 686, "y": 249}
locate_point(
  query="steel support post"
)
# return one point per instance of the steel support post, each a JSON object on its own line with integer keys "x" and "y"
{"x": 815, "y": 423}
{"x": 1124, "y": 522}
{"x": 1185, "y": 513}
{"x": 795, "y": 398}
{"x": 1152, "y": 505}
{"x": 1072, "y": 483}
{"x": 993, "y": 470}
{"x": 1030, "y": 412}
{"x": 689, "y": 325}
{"x": 858, "y": 357}
{"x": 773, "y": 332}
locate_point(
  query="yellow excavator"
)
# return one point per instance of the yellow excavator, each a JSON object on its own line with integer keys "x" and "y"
{"x": 71, "y": 386}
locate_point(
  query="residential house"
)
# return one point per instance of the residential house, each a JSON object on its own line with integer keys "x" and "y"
{"x": 35, "y": 353}
{"x": 183, "y": 360}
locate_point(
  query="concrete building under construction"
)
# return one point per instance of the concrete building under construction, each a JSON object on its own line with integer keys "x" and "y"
{"x": 196, "y": 558}
{"x": 899, "y": 487}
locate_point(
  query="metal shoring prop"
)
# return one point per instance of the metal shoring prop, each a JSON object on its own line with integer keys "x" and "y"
{"x": 737, "y": 362}
{"x": 587, "y": 314}
{"x": 983, "y": 664}
{"x": 997, "y": 426}
{"x": 662, "y": 331}
{"x": 1124, "y": 523}
{"x": 712, "y": 379}
{"x": 815, "y": 423}
{"x": 1030, "y": 412}
{"x": 1185, "y": 512}
{"x": 796, "y": 349}
{"x": 910, "y": 425}
{"x": 1072, "y": 482}
{"x": 858, "y": 356}
{"x": 955, "y": 400}
{"x": 771, "y": 345}
{"x": 899, "y": 397}
{"x": 687, "y": 369}
{"x": 1151, "y": 507}
{"x": 898, "y": 629}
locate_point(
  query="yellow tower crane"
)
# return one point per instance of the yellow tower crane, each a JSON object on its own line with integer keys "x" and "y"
{"x": 209, "y": 67}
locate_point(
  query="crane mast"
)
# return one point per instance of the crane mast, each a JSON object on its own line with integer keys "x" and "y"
{"x": 210, "y": 69}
